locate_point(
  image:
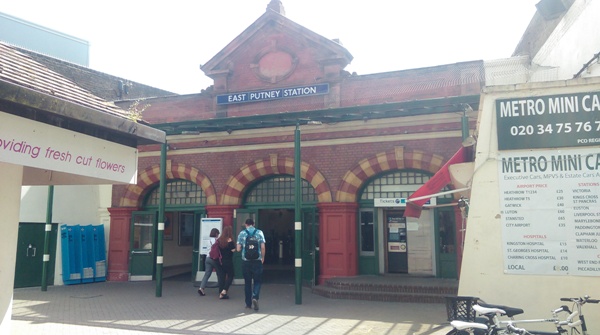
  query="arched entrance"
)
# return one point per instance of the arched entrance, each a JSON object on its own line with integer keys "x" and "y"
{"x": 270, "y": 202}
{"x": 391, "y": 243}
{"x": 184, "y": 206}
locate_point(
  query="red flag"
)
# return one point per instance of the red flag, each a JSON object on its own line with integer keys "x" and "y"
{"x": 433, "y": 185}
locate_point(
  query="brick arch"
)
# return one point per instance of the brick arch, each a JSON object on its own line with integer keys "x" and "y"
{"x": 273, "y": 165}
{"x": 151, "y": 176}
{"x": 384, "y": 161}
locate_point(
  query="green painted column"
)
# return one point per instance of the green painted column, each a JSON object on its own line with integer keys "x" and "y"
{"x": 161, "y": 219}
{"x": 298, "y": 214}
{"x": 48, "y": 229}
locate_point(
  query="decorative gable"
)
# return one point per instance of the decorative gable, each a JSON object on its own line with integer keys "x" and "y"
{"x": 275, "y": 50}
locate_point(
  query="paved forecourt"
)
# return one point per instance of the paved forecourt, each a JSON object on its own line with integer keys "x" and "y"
{"x": 133, "y": 308}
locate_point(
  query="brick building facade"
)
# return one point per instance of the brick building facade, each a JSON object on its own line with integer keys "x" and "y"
{"x": 381, "y": 136}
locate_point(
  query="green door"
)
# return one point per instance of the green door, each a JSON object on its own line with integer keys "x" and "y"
{"x": 30, "y": 255}
{"x": 446, "y": 249}
{"x": 241, "y": 216}
{"x": 142, "y": 248}
{"x": 310, "y": 229}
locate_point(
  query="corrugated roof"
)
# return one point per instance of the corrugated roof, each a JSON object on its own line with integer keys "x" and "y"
{"x": 22, "y": 70}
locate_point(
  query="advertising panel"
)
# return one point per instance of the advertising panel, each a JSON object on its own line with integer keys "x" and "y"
{"x": 552, "y": 121}
{"x": 550, "y": 209}
{"x": 39, "y": 145}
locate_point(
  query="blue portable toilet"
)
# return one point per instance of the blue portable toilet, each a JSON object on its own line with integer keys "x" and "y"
{"x": 71, "y": 254}
{"x": 99, "y": 253}
{"x": 87, "y": 254}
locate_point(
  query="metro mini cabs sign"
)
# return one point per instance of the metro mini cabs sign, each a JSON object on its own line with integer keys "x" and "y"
{"x": 552, "y": 121}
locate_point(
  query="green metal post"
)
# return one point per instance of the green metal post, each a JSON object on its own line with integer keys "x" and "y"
{"x": 161, "y": 219}
{"x": 48, "y": 229}
{"x": 298, "y": 214}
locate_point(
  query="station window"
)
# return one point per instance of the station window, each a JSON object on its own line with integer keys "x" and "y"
{"x": 178, "y": 192}
{"x": 280, "y": 189}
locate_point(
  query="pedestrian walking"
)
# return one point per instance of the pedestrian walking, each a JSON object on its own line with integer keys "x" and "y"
{"x": 209, "y": 263}
{"x": 251, "y": 242}
{"x": 227, "y": 247}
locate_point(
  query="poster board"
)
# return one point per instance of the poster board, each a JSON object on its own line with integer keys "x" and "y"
{"x": 206, "y": 225}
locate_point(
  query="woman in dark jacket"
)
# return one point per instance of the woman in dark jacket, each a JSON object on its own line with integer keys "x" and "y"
{"x": 227, "y": 246}
{"x": 210, "y": 264}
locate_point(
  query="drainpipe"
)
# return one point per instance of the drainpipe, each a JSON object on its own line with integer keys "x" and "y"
{"x": 161, "y": 219}
{"x": 48, "y": 229}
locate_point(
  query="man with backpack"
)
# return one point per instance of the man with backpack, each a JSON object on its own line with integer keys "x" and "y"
{"x": 251, "y": 242}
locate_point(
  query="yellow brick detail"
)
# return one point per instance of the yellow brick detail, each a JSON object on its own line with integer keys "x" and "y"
{"x": 367, "y": 168}
{"x": 417, "y": 159}
{"x": 345, "y": 197}
{"x": 353, "y": 179}
{"x": 273, "y": 158}
{"x": 237, "y": 186}
{"x": 260, "y": 167}
{"x": 436, "y": 163}
{"x": 211, "y": 200}
{"x": 383, "y": 161}
{"x": 399, "y": 155}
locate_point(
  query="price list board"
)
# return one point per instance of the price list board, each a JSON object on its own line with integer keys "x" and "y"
{"x": 550, "y": 210}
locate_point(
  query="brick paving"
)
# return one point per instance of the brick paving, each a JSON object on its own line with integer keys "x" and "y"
{"x": 128, "y": 308}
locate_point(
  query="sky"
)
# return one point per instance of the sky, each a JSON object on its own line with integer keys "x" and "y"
{"x": 163, "y": 43}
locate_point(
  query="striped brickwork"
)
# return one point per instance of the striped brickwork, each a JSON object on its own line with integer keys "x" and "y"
{"x": 399, "y": 158}
{"x": 149, "y": 177}
{"x": 273, "y": 165}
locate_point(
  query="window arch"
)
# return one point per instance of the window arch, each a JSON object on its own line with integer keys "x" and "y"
{"x": 178, "y": 192}
{"x": 279, "y": 189}
{"x": 396, "y": 184}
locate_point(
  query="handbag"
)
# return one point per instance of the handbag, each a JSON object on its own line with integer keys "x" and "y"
{"x": 215, "y": 252}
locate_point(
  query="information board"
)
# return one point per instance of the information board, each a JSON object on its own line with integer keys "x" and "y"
{"x": 550, "y": 209}
{"x": 206, "y": 225}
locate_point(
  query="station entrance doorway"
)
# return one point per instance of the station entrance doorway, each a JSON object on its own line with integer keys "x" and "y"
{"x": 270, "y": 203}
{"x": 278, "y": 227}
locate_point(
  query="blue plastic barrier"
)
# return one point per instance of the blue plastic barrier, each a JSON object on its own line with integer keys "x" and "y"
{"x": 87, "y": 254}
{"x": 71, "y": 254}
{"x": 83, "y": 253}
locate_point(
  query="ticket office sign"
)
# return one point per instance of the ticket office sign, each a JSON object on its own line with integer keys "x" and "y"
{"x": 550, "y": 210}
{"x": 552, "y": 121}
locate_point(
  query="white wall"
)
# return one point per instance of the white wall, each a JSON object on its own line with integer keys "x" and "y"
{"x": 482, "y": 272}
{"x": 573, "y": 43}
{"x": 10, "y": 179}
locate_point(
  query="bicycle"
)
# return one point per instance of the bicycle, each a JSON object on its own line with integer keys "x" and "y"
{"x": 489, "y": 316}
